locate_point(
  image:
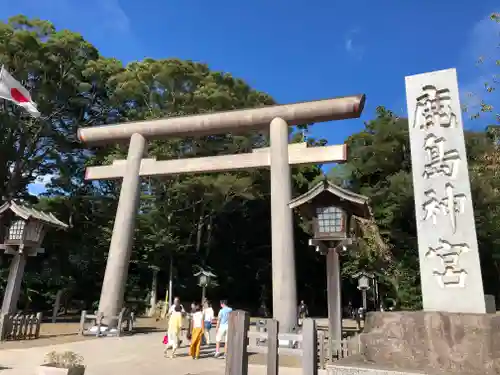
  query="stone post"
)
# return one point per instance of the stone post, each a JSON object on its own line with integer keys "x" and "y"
{"x": 115, "y": 276}
{"x": 57, "y": 304}
{"x": 170, "y": 281}
{"x": 283, "y": 248}
{"x": 334, "y": 299}
{"x": 203, "y": 294}
{"x": 13, "y": 288}
{"x": 153, "y": 297}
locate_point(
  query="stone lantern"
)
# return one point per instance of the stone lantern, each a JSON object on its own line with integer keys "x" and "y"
{"x": 331, "y": 211}
{"x": 204, "y": 279}
{"x": 364, "y": 281}
{"x": 22, "y": 230}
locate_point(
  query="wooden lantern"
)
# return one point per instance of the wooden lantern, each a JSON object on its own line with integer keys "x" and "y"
{"x": 330, "y": 210}
{"x": 24, "y": 227}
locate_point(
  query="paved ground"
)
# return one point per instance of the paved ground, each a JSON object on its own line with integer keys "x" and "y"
{"x": 126, "y": 356}
{"x": 142, "y": 353}
{"x": 63, "y": 333}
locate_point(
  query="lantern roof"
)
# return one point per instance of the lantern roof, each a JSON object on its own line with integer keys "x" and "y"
{"x": 205, "y": 273}
{"x": 27, "y": 213}
{"x": 359, "y": 274}
{"x": 325, "y": 194}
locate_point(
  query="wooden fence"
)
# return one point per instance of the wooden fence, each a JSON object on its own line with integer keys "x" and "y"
{"x": 126, "y": 317}
{"x": 20, "y": 326}
{"x": 331, "y": 351}
{"x": 238, "y": 347}
{"x": 328, "y": 352}
{"x": 311, "y": 345}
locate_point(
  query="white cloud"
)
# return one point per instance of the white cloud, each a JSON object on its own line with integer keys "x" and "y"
{"x": 44, "y": 180}
{"x": 348, "y": 45}
{"x": 100, "y": 15}
{"x": 352, "y": 47}
{"x": 482, "y": 44}
{"x": 483, "y": 38}
{"x": 116, "y": 16}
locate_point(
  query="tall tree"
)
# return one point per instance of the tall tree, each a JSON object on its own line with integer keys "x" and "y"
{"x": 52, "y": 65}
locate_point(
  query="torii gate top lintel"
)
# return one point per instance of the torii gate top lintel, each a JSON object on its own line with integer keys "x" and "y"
{"x": 219, "y": 122}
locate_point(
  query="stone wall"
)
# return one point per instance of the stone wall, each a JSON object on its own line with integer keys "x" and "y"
{"x": 433, "y": 342}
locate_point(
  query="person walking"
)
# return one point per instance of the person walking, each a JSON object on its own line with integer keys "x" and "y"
{"x": 197, "y": 322}
{"x": 177, "y": 302}
{"x": 263, "y": 310}
{"x": 190, "y": 321}
{"x": 174, "y": 330}
{"x": 360, "y": 313}
{"x": 222, "y": 327}
{"x": 303, "y": 312}
{"x": 208, "y": 316}
{"x": 175, "y": 305}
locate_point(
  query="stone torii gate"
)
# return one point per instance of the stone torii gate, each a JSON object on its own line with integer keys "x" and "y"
{"x": 279, "y": 156}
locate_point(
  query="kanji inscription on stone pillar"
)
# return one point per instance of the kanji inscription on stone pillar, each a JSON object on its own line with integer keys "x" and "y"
{"x": 450, "y": 271}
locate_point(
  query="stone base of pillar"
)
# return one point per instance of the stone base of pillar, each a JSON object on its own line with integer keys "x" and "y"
{"x": 432, "y": 342}
{"x": 13, "y": 288}
{"x": 287, "y": 343}
{"x": 350, "y": 367}
{"x": 104, "y": 331}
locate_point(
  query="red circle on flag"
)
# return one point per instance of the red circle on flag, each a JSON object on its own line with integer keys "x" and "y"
{"x": 18, "y": 96}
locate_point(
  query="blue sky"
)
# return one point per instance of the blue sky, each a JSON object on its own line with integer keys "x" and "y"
{"x": 294, "y": 50}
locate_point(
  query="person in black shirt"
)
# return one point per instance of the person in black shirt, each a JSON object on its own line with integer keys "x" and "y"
{"x": 263, "y": 311}
{"x": 303, "y": 312}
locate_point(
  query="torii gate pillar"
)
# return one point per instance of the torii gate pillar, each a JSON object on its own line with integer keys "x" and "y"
{"x": 283, "y": 248}
{"x": 115, "y": 277}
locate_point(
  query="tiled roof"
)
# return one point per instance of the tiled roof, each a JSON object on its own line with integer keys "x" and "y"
{"x": 27, "y": 213}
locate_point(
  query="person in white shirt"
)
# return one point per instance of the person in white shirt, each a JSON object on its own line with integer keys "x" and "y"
{"x": 197, "y": 332}
{"x": 177, "y": 302}
{"x": 208, "y": 313}
{"x": 175, "y": 306}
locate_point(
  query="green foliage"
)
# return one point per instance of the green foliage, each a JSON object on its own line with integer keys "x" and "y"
{"x": 51, "y": 64}
{"x": 379, "y": 167}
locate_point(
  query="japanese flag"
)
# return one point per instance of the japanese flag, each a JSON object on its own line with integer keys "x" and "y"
{"x": 12, "y": 90}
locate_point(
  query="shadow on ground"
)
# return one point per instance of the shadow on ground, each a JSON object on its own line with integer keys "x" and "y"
{"x": 143, "y": 331}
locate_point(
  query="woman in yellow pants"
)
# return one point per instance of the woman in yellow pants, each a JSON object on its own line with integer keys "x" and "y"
{"x": 197, "y": 333}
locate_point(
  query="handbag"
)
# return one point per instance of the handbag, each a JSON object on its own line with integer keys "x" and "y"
{"x": 165, "y": 339}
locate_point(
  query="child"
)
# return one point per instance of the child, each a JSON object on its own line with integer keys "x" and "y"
{"x": 174, "y": 330}
{"x": 197, "y": 333}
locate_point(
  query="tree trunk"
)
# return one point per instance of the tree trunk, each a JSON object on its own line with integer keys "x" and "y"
{"x": 153, "y": 297}
{"x": 199, "y": 232}
{"x": 57, "y": 304}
